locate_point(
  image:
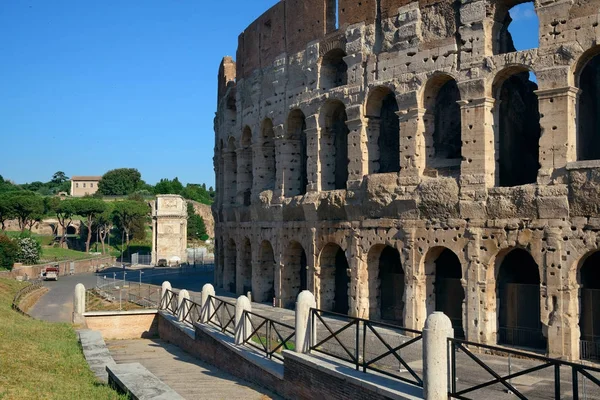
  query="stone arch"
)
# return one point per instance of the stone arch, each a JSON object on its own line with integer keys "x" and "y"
{"x": 295, "y": 158}
{"x": 588, "y": 278}
{"x": 383, "y": 131}
{"x": 263, "y": 277}
{"x": 333, "y": 69}
{"x": 333, "y": 149}
{"x": 71, "y": 230}
{"x": 386, "y": 284}
{"x": 517, "y": 299}
{"x": 588, "y": 106}
{"x": 265, "y": 163}
{"x": 502, "y": 40}
{"x": 230, "y": 166}
{"x": 517, "y": 129}
{"x": 230, "y": 266}
{"x": 442, "y": 122}
{"x": 443, "y": 285}
{"x": 244, "y": 273}
{"x": 245, "y": 168}
{"x": 294, "y": 277}
{"x": 334, "y": 279}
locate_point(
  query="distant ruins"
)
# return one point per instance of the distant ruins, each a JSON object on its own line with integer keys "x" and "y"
{"x": 169, "y": 229}
{"x": 394, "y": 158}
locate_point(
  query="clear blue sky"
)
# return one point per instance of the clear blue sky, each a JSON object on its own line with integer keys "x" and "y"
{"x": 88, "y": 86}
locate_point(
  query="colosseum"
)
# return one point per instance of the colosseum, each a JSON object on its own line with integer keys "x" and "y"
{"x": 395, "y": 159}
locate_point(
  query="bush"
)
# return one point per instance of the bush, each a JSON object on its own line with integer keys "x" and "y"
{"x": 29, "y": 251}
{"x": 8, "y": 252}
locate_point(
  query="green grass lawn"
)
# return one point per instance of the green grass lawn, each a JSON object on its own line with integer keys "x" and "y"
{"x": 50, "y": 254}
{"x": 41, "y": 360}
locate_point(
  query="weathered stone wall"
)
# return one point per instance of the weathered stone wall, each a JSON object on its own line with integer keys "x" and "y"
{"x": 504, "y": 192}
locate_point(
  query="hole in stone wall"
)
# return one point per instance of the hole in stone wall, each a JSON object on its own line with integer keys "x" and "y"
{"x": 588, "y": 117}
{"x": 518, "y": 130}
{"x": 334, "y": 70}
{"x": 516, "y": 28}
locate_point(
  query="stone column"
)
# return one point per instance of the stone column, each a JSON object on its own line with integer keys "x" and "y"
{"x": 474, "y": 319}
{"x": 414, "y": 284}
{"x": 79, "y": 304}
{"x": 166, "y": 286}
{"x": 304, "y": 328}
{"x": 358, "y": 305}
{"x": 313, "y": 167}
{"x": 358, "y": 156}
{"x": 181, "y": 304}
{"x": 230, "y": 173}
{"x": 558, "y": 143}
{"x": 412, "y": 145}
{"x": 243, "y": 328}
{"x": 438, "y": 329}
{"x": 373, "y": 152}
{"x": 207, "y": 291}
{"x": 280, "y": 162}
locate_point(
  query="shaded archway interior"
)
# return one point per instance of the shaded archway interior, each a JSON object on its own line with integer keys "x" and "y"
{"x": 449, "y": 292}
{"x": 589, "y": 323}
{"x": 588, "y": 132}
{"x": 334, "y": 70}
{"x": 294, "y": 277}
{"x": 334, "y": 147}
{"x": 391, "y": 279}
{"x": 295, "y": 153}
{"x": 335, "y": 280}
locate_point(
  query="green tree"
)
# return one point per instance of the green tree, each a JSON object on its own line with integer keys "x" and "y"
{"x": 90, "y": 208}
{"x": 64, "y": 210}
{"x": 196, "y": 229}
{"x": 7, "y": 186}
{"x": 126, "y": 214}
{"x": 30, "y": 250}
{"x": 8, "y": 251}
{"x": 6, "y": 210}
{"x": 27, "y": 207}
{"x": 120, "y": 182}
{"x": 59, "y": 177}
{"x": 167, "y": 186}
{"x": 104, "y": 224}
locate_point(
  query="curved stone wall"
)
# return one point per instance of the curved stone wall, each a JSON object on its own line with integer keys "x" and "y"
{"x": 413, "y": 127}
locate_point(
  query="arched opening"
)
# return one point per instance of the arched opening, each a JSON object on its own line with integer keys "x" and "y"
{"x": 245, "y": 269}
{"x": 264, "y": 277}
{"x": 518, "y": 129}
{"x": 219, "y": 263}
{"x": 229, "y": 267}
{"x": 383, "y": 132}
{"x": 442, "y": 126}
{"x": 516, "y": 27}
{"x": 391, "y": 289}
{"x": 294, "y": 277}
{"x": 265, "y": 164}
{"x": 230, "y": 165}
{"x": 333, "y": 152}
{"x": 335, "y": 279}
{"x": 294, "y": 157}
{"x": 518, "y": 304}
{"x": 71, "y": 230}
{"x": 588, "y": 116}
{"x": 445, "y": 292}
{"x": 245, "y": 179}
{"x": 334, "y": 70}
{"x": 589, "y": 323}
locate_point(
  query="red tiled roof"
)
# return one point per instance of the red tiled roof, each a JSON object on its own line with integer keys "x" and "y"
{"x": 86, "y": 178}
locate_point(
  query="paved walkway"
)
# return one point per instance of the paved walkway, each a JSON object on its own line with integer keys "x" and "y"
{"x": 185, "y": 374}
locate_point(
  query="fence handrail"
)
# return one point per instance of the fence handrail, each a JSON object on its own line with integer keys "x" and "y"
{"x": 271, "y": 326}
{"x": 382, "y": 324}
{"x": 36, "y": 284}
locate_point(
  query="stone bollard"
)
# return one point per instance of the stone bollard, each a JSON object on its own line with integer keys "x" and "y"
{"x": 304, "y": 328}
{"x": 166, "y": 285}
{"x": 207, "y": 290}
{"x": 242, "y": 325}
{"x": 79, "y": 304}
{"x": 183, "y": 294}
{"x": 438, "y": 329}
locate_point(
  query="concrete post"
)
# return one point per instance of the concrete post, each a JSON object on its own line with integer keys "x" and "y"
{"x": 207, "y": 290}
{"x": 79, "y": 304}
{"x": 166, "y": 285}
{"x": 242, "y": 325}
{"x": 438, "y": 329}
{"x": 304, "y": 328}
{"x": 183, "y": 294}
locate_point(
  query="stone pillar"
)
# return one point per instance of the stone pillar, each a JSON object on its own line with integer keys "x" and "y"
{"x": 79, "y": 304}
{"x": 313, "y": 167}
{"x": 243, "y": 328}
{"x": 414, "y": 285}
{"x": 304, "y": 328}
{"x": 357, "y": 265}
{"x": 207, "y": 291}
{"x": 475, "y": 300}
{"x": 166, "y": 285}
{"x": 280, "y": 162}
{"x": 358, "y": 155}
{"x": 373, "y": 152}
{"x": 181, "y": 297}
{"x": 230, "y": 174}
{"x": 438, "y": 329}
{"x": 245, "y": 176}
{"x": 558, "y": 143}
{"x": 412, "y": 145}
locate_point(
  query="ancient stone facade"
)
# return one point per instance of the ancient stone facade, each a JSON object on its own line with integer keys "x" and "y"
{"x": 403, "y": 162}
{"x": 169, "y": 229}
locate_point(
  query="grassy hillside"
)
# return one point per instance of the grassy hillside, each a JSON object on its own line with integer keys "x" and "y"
{"x": 41, "y": 360}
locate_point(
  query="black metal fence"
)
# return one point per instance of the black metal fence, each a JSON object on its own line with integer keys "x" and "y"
{"x": 368, "y": 345}
{"x": 590, "y": 349}
{"x": 222, "y": 315}
{"x": 568, "y": 380}
{"x": 269, "y": 336}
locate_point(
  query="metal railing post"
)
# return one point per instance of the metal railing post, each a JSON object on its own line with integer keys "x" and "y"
{"x": 356, "y": 352}
{"x": 364, "y": 352}
{"x": 575, "y": 385}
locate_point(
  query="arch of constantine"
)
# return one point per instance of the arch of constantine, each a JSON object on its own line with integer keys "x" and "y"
{"x": 396, "y": 158}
